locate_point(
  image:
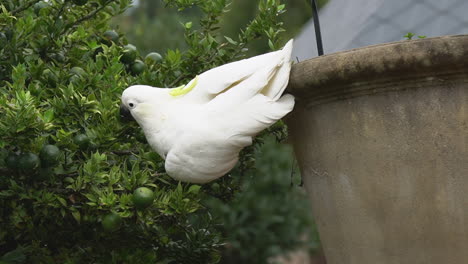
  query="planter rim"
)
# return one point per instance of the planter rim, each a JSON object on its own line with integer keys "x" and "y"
{"x": 407, "y": 58}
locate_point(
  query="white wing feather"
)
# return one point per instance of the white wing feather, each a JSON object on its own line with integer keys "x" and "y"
{"x": 226, "y": 77}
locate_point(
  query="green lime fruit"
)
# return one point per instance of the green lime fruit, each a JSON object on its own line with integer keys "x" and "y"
{"x": 111, "y": 222}
{"x": 11, "y": 161}
{"x": 143, "y": 197}
{"x": 215, "y": 186}
{"x": 129, "y": 54}
{"x": 153, "y": 58}
{"x": 110, "y": 36}
{"x": 80, "y": 2}
{"x": 109, "y": 9}
{"x": 49, "y": 155}
{"x": 82, "y": 141}
{"x": 28, "y": 161}
{"x": 74, "y": 78}
{"x": 137, "y": 67}
{"x": 77, "y": 71}
{"x": 39, "y": 6}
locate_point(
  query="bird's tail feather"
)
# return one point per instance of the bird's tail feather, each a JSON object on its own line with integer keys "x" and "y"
{"x": 278, "y": 83}
{"x": 246, "y": 89}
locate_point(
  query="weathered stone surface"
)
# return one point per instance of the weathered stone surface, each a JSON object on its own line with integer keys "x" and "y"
{"x": 381, "y": 136}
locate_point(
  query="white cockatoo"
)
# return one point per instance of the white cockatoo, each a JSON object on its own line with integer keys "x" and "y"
{"x": 200, "y": 128}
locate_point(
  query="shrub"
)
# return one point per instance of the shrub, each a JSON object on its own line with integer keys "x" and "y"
{"x": 61, "y": 76}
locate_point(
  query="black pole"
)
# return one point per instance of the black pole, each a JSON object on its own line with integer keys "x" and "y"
{"x": 318, "y": 35}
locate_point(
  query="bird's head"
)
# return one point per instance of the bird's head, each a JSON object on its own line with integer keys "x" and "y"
{"x": 140, "y": 102}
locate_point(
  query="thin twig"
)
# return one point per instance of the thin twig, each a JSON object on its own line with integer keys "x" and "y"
{"x": 22, "y": 8}
{"x": 87, "y": 17}
{"x": 177, "y": 80}
{"x": 124, "y": 152}
{"x": 59, "y": 13}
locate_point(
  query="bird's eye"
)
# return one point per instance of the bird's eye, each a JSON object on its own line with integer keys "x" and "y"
{"x": 131, "y": 105}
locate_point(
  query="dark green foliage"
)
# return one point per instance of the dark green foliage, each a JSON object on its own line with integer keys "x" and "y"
{"x": 60, "y": 84}
{"x": 271, "y": 214}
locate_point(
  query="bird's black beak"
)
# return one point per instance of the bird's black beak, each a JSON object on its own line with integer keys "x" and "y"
{"x": 125, "y": 114}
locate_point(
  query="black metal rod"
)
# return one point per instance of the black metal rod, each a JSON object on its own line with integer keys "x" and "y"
{"x": 318, "y": 34}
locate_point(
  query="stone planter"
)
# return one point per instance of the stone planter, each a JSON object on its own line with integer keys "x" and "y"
{"x": 381, "y": 137}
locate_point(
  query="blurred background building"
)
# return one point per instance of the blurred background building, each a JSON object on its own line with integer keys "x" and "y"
{"x": 348, "y": 24}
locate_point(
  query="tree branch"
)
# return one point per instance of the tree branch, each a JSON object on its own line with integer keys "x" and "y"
{"x": 87, "y": 17}
{"x": 26, "y": 6}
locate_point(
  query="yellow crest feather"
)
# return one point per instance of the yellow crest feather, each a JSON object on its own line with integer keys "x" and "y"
{"x": 184, "y": 89}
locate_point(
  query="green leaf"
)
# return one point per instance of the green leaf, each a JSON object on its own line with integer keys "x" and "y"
{"x": 62, "y": 201}
{"x": 48, "y": 115}
{"x": 271, "y": 45}
{"x": 77, "y": 216}
{"x": 230, "y": 40}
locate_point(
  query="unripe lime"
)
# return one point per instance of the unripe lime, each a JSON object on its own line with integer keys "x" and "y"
{"x": 142, "y": 197}
{"x": 111, "y": 222}
{"x": 137, "y": 67}
{"x": 129, "y": 54}
{"x": 82, "y": 141}
{"x": 49, "y": 155}
{"x": 39, "y": 6}
{"x": 74, "y": 78}
{"x": 110, "y": 36}
{"x": 11, "y": 161}
{"x": 109, "y": 9}
{"x": 215, "y": 186}
{"x": 28, "y": 161}
{"x": 153, "y": 57}
{"x": 77, "y": 71}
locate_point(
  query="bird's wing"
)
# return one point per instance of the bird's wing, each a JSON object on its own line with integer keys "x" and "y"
{"x": 251, "y": 117}
{"x": 226, "y": 77}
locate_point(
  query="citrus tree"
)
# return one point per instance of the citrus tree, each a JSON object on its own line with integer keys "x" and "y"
{"x": 78, "y": 185}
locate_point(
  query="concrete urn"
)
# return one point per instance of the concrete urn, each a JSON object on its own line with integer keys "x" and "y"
{"x": 381, "y": 138}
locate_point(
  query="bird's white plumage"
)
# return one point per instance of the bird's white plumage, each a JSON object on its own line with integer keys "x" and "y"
{"x": 200, "y": 134}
